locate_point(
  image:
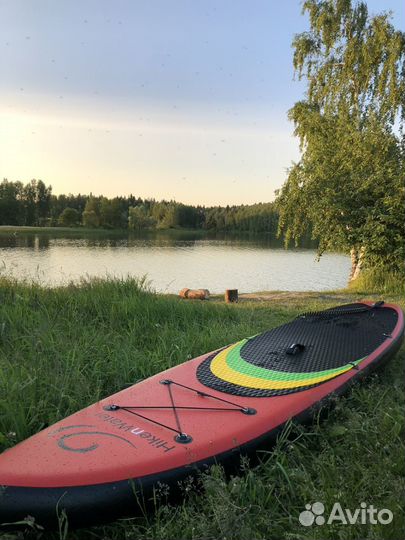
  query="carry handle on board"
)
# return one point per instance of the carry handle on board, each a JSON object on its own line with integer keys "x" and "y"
{"x": 295, "y": 348}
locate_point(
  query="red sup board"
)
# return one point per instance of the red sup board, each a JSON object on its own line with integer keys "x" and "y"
{"x": 101, "y": 460}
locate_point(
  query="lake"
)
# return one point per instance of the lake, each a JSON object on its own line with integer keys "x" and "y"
{"x": 172, "y": 260}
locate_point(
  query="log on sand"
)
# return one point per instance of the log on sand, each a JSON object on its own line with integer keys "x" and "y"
{"x": 195, "y": 294}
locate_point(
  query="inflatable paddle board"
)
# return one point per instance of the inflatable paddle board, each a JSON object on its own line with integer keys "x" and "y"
{"x": 97, "y": 464}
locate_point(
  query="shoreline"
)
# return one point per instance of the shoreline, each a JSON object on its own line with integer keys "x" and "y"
{"x": 279, "y": 297}
{"x": 232, "y": 233}
{"x": 12, "y": 229}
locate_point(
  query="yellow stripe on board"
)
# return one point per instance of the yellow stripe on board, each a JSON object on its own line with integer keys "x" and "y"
{"x": 220, "y": 369}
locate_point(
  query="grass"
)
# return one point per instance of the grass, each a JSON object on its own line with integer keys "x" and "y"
{"x": 64, "y": 348}
{"x": 379, "y": 280}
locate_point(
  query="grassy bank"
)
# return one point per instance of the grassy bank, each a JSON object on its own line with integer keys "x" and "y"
{"x": 62, "y": 349}
{"x": 385, "y": 282}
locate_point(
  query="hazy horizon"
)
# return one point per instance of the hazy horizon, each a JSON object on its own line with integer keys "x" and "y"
{"x": 178, "y": 100}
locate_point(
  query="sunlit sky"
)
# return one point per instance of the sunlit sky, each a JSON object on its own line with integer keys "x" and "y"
{"x": 174, "y": 99}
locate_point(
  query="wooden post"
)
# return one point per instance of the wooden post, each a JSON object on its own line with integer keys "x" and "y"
{"x": 231, "y": 295}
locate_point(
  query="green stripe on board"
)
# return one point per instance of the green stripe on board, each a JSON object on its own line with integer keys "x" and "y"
{"x": 235, "y": 361}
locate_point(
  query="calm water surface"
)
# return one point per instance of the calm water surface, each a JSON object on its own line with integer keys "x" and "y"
{"x": 172, "y": 260}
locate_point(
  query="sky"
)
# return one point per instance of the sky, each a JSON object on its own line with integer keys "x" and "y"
{"x": 178, "y": 99}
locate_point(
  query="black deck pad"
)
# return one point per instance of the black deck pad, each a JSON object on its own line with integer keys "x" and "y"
{"x": 327, "y": 340}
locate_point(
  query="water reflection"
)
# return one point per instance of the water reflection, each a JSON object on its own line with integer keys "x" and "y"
{"x": 170, "y": 238}
{"x": 172, "y": 260}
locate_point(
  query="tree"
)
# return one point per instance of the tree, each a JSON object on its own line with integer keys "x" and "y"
{"x": 43, "y": 202}
{"x": 60, "y": 202}
{"x": 112, "y": 215}
{"x": 91, "y": 213}
{"x": 11, "y": 207}
{"x": 30, "y": 203}
{"x": 348, "y": 186}
{"x": 69, "y": 217}
{"x": 139, "y": 218}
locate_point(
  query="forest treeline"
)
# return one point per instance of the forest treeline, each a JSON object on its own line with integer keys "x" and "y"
{"x": 34, "y": 204}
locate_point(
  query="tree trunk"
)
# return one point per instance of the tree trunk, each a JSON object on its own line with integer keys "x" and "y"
{"x": 357, "y": 257}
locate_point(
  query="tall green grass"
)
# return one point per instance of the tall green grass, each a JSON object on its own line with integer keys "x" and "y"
{"x": 379, "y": 281}
{"x": 62, "y": 349}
